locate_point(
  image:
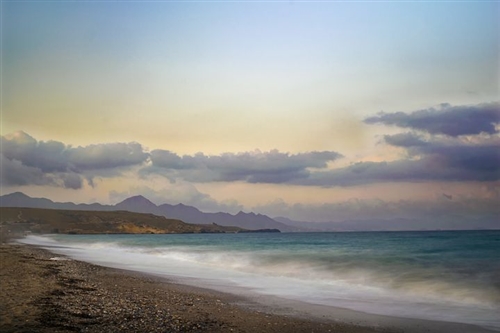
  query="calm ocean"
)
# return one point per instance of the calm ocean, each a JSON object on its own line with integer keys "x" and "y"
{"x": 447, "y": 275}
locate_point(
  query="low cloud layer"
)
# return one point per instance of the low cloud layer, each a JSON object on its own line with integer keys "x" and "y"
{"x": 32, "y": 162}
{"x": 53, "y": 156}
{"x": 445, "y": 144}
{"x": 429, "y": 157}
{"x": 15, "y": 173}
{"x": 437, "y": 152}
{"x": 446, "y": 119}
{"x": 27, "y": 161}
{"x": 480, "y": 159}
{"x": 252, "y": 167}
{"x": 432, "y": 160}
{"x": 105, "y": 156}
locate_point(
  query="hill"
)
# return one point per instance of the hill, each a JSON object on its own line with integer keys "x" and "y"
{"x": 140, "y": 204}
{"x": 15, "y": 220}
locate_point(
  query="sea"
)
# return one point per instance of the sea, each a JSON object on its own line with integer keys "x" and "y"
{"x": 449, "y": 276}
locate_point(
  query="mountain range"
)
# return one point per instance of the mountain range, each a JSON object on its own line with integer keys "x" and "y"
{"x": 139, "y": 204}
{"x": 19, "y": 221}
{"x": 252, "y": 221}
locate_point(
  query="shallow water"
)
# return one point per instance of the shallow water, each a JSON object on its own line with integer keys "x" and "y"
{"x": 448, "y": 276}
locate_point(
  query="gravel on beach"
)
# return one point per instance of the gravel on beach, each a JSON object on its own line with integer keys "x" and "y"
{"x": 42, "y": 292}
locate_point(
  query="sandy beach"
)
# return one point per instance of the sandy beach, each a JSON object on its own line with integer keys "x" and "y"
{"x": 43, "y": 292}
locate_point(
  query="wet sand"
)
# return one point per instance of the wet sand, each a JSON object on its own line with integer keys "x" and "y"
{"x": 44, "y": 292}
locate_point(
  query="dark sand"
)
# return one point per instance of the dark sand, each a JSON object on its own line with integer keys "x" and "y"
{"x": 40, "y": 294}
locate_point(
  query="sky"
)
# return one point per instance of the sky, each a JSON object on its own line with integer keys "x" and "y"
{"x": 311, "y": 110}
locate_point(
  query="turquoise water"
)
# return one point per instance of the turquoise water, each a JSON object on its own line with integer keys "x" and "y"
{"x": 448, "y": 275}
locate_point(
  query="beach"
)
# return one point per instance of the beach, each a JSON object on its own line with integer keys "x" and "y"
{"x": 41, "y": 292}
{"x": 45, "y": 292}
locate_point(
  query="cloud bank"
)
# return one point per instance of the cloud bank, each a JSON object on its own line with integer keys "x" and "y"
{"x": 252, "y": 167}
{"x": 446, "y": 119}
{"x": 432, "y": 160}
{"x": 446, "y": 144}
{"x": 27, "y": 161}
{"x": 435, "y": 153}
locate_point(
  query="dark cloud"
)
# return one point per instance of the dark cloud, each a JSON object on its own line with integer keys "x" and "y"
{"x": 167, "y": 159}
{"x": 54, "y": 156}
{"x": 481, "y": 162}
{"x": 14, "y": 173}
{"x": 28, "y": 161}
{"x": 46, "y": 156}
{"x": 72, "y": 181}
{"x": 429, "y": 161}
{"x": 480, "y": 158}
{"x": 253, "y": 167}
{"x": 55, "y": 163}
{"x": 430, "y": 157}
{"x": 105, "y": 156}
{"x": 373, "y": 172}
{"x": 404, "y": 140}
{"x": 446, "y": 119}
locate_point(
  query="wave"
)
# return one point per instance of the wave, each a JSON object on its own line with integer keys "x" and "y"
{"x": 334, "y": 277}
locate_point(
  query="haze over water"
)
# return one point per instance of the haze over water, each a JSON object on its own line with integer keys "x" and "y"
{"x": 445, "y": 276}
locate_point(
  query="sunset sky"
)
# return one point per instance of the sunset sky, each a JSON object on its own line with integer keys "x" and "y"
{"x": 316, "y": 111}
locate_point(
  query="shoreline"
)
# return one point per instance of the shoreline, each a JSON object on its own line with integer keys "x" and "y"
{"x": 46, "y": 295}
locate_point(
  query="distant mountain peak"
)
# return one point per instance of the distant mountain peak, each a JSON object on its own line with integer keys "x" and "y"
{"x": 136, "y": 200}
{"x": 16, "y": 195}
{"x": 242, "y": 213}
{"x": 137, "y": 197}
{"x": 19, "y": 199}
{"x": 185, "y": 208}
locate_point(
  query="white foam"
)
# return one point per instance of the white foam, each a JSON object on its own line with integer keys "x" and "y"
{"x": 248, "y": 272}
{"x": 60, "y": 259}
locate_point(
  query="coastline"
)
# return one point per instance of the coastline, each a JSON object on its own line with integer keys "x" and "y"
{"x": 45, "y": 292}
